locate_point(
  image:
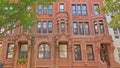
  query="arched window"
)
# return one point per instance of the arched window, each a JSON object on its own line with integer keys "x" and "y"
{"x": 44, "y": 51}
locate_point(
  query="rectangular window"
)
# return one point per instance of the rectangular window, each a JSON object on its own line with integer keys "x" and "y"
{"x": 61, "y": 7}
{"x": 86, "y": 28}
{"x": 2, "y": 29}
{"x": 95, "y": 27}
{"x": 39, "y": 9}
{"x": 57, "y": 27}
{"x": 101, "y": 27}
{"x": 62, "y": 26}
{"x": 73, "y": 9}
{"x": 79, "y": 9}
{"x": 119, "y": 54}
{"x": 81, "y": 29}
{"x": 96, "y": 12}
{"x": 75, "y": 28}
{"x": 39, "y": 27}
{"x": 84, "y": 9}
{"x": 50, "y": 27}
{"x": 0, "y": 48}
{"x": 50, "y": 9}
{"x": 10, "y": 51}
{"x": 90, "y": 53}
{"x": 23, "y": 50}
{"x": 44, "y": 27}
{"x": 63, "y": 51}
{"x": 45, "y": 10}
{"x": 77, "y": 52}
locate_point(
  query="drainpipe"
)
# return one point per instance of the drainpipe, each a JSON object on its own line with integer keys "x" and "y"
{"x": 32, "y": 50}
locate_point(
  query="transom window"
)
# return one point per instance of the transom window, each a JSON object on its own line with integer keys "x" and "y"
{"x": 63, "y": 51}
{"x": 10, "y": 51}
{"x": 44, "y": 51}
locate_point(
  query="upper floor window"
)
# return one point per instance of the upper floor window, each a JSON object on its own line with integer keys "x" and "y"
{"x": 44, "y": 9}
{"x": 49, "y": 27}
{"x": 10, "y": 51}
{"x": 90, "y": 53}
{"x": 39, "y": 27}
{"x": 84, "y": 9}
{"x": 95, "y": 27}
{"x": 83, "y": 28}
{"x": 44, "y": 27}
{"x": 0, "y": 48}
{"x": 77, "y": 51}
{"x": 61, "y": 7}
{"x": 44, "y": 51}
{"x": 116, "y": 32}
{"x": 63, "y": 53}
{"x": 2, "y": 29}
{"x": 79, "y": 9}
{"x": 23, "y": 51}
{"x": 75, "y": 28}
{"x": 96, "y": 12}
{"x": 73, "y": 9}
{"x": 10, "y": 27}
{"x": 39, "y": 9}
{"x": 50, "y": 9}
{"x": 87, "y": 31}
{"x": 101, "y": 25}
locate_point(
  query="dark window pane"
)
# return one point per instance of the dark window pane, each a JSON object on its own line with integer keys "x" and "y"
{"x": 79, "y": 9}
{"x": 50, "y": 27}
{"x": 81, "y": 28}
{"x": 57, "y": 27}
{"x": 63, "y": 51}
{"x": 84, "y": 9}
{"x": 86, "y": 28}
{"x": 95, "y": 28}
{"x": 39, "y": 27}
{"x": 44, "y": 27}
{"x": 75, "y": 28}
{"x": 115, "y": 31}
{"x": 45, "y": 10}
{"x": 73, "y": 9}
{"x": 10, "y": 51}
{"x": 39, "y": 9}
{"x": 44, "y": 51}
{"x": 23, "y": 50}
{"x": 101, "y": 27}
{"x": 77, "y": 51}
{"x": 50, "y": 9}
{"x": 96, "y": 12}
{"x": 61, "y": 8}
{"x": 62, "y": 26}
{"x": 90, "y": 53}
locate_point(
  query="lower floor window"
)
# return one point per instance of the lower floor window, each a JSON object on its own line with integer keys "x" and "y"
{"x": 10, "y": 51}
{"x": 77, "y": 51}
{"x": 63, "y": 51}
{"x": 90, "y": 53}
{"x": 23, "y": 50}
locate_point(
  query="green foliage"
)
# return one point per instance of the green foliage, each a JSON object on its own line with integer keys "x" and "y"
{"x": 22, "y": 12}
{"x": 22, "y": 61}
{"x": 111, "y": 7}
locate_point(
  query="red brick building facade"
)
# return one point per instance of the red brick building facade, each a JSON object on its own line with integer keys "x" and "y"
{"x": 69, "y": 34}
